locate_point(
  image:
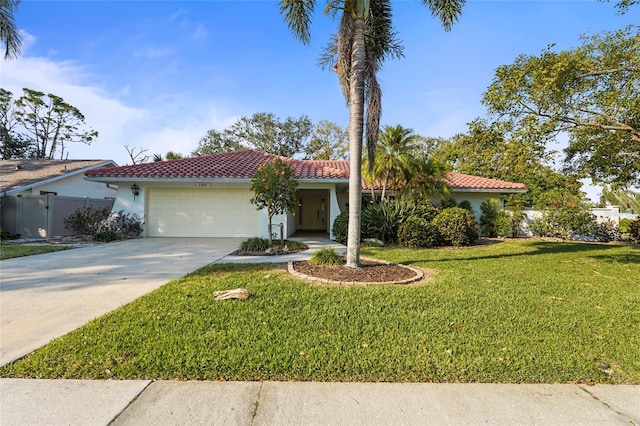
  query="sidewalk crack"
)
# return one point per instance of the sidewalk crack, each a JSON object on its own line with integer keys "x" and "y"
{"x": 134, "y": 399}
{"x": 626, "y": 419}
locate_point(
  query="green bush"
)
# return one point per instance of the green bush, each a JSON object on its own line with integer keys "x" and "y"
{"x": 123, "y": 224}
{"x": 565, "y": 222}
{"x": 255, "y": 244}
{"x": 623, "y": 225}
{"x": 85, "y": 221}
{"x": 340, "y": 227}
{"x": 382, "y": 220}
{"x": 634, "y": 230}
{"x": 326, "y": 256}
{"x": 607, "y": 231}
{"x": 4, "y": 235}
{"x": 417, "y": 232}
{"x": 494, "y": 222}
{"x": 106, "y": 236}
{"x": 425, "y": 209}
{"x": 457, "y": 226}
{"x": 466, "y": 204}
{"x": 295, "y": 245}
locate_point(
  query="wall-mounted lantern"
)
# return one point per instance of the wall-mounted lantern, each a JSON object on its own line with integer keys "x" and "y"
{"x": 135, "y": 190}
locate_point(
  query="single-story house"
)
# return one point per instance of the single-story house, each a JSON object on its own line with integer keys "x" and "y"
{"x": 209, "y": 196}
{"x": 37, "y": 195}
{"x": 59, "y": 177}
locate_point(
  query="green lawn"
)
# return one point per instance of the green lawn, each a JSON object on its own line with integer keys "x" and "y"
{"x": 517, "y": 311}
{"x": 10, "y": 251}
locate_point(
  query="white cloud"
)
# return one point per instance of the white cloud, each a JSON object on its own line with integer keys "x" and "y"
{"x": 117, "y": 122}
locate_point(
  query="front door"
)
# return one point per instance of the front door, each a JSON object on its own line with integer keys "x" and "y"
{"x": 314, "y": 212}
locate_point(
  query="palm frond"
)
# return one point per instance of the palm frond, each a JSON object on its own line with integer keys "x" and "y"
{"x": 9, "y": 34}
{"x": 344, "y": 48}
{"x": 298, "y": 14}
{"x": 447, "y": 11}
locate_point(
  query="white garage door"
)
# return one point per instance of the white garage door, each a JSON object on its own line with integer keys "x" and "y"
{"x": 185, "y": 212}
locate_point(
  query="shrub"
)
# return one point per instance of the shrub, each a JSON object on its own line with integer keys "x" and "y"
{"x": 494, "y": 221}
{"x": 295, "y": 245}
{"x": 623, "y": 225}
{"x": 106, "y": 236}
{"x": 326, "y": 256}
{"x": 340, "y": 227}
{"x": 123, "y": 224}
{"x": 457, "y": 226}
{"x": 564, "y": 222}
{"x": 466, "y": 204}
{"x": 607, "y": 231}
{"x": 425, "y": 209}
{"x": 634, "y": 230}
{"x": 417, "y": 232}
{"x": 382, "y": 220}
{"x": 85, "y": 221}
{"x": 4, "y": 235}
{"x": 255, "y": 244}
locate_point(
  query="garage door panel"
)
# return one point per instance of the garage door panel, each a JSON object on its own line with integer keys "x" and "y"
{"x": 175, "y": 212}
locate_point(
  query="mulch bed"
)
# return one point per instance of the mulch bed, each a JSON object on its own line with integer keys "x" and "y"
{"x": 369, "y": 272}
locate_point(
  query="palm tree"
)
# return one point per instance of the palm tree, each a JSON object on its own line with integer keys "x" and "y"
{"x": 357, "y": 63}
{"x": 9, "y": 35}
{"x": 394, "y": 155}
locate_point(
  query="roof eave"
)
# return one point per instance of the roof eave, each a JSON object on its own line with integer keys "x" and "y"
{"x": 491, "y": 190}
{"x": 57, "y": 178}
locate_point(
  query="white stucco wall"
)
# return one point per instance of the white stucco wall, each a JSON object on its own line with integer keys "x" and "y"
{"x": 476, "y": 199}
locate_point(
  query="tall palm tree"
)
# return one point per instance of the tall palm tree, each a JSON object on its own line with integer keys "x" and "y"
{"x": 356, "y": 67}
{"x": 9, "y": 35}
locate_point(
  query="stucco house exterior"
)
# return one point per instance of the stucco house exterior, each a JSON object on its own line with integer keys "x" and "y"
{"x": 209, "y": 196}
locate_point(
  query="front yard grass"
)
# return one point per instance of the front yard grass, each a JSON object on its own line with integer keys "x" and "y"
{"x": 8, "y": 251}
{"x": 511, "y": 312}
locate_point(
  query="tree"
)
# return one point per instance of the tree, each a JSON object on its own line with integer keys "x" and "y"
{"x": 215, "y": 142}
{"x": 497, "y": 151}
{"x": 50, "y": 123}
{"x": 170, "y": 155}
{"x": 624, "y": 5}
{"x": 592, "y": 93}
{"x": 262, "y": 131}
{"x": 266, "y": 132}
{"x": 393, "y": 159}
{"x": 9, "y": 34}
{"x": 628, "y": 201}
{"x": 365, "y": 39}
{"x": 274, "y": 186}
{"x": 328, "y": 142}
{"x": 13, "y": 144}
{"x": 138, "y": 154}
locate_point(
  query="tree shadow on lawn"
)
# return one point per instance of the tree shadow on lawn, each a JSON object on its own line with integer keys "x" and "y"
{"x": 544, "y": 248}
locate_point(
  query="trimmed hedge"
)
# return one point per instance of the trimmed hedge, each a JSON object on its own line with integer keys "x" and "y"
{"x": 457, "y": 226}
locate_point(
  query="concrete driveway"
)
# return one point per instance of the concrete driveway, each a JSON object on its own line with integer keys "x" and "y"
{"x": 46, "y": 296}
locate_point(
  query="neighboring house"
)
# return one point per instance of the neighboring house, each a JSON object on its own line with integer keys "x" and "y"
{"x": 59, "y": 177}
{"x": 209, "y": 196}
{"x": 37, "y": 195}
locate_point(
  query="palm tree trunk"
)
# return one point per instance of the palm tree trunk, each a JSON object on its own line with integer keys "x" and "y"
{"x": 356, "y": 123}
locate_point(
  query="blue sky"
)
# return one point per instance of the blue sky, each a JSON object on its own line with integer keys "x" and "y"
{"x": 159, "y": 74}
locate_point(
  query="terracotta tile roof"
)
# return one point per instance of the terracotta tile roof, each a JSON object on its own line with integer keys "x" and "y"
{"x": 17, "y": 175}
{"x": 244, "y": 164}
{"x": 462, "y": 181}
{"x": 235, "y": 165}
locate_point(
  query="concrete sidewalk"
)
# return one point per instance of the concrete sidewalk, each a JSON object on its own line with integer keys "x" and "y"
{"x": 63, "y": 402}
